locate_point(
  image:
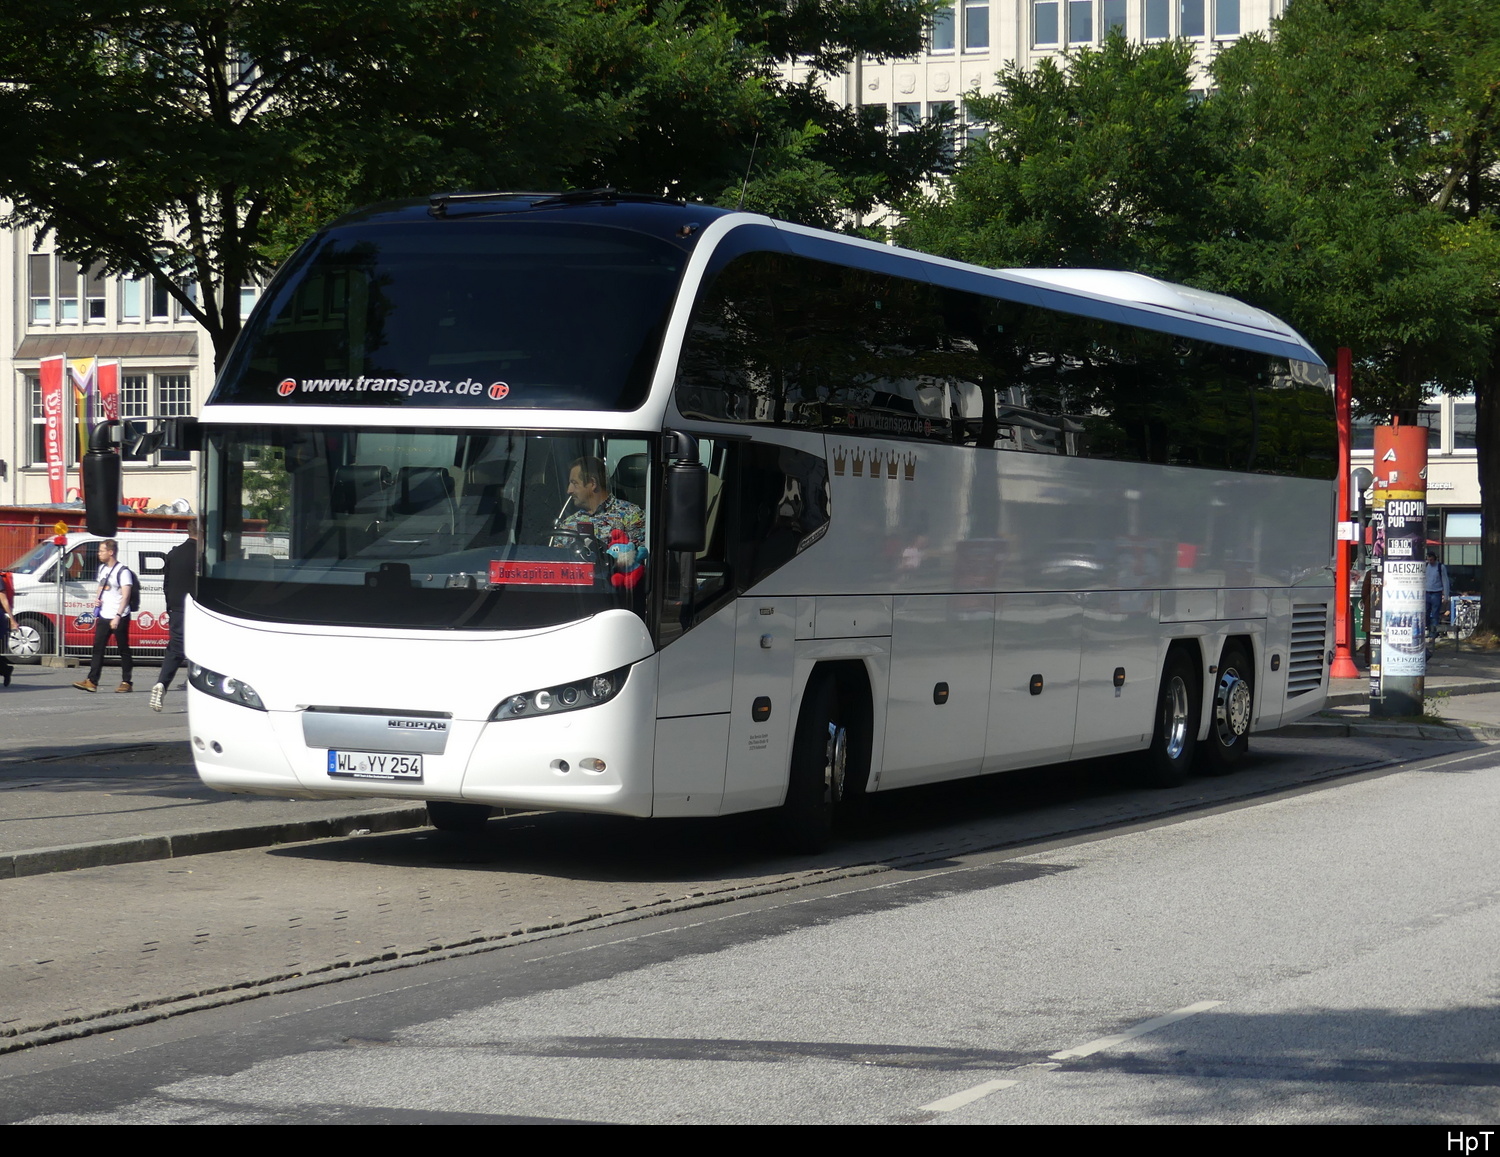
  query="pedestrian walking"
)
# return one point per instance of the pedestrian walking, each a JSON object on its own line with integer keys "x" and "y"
{"x": 118, "y": 587}
{"x": 179, "y": 581}
{"x": 8, "y": 606}
{"x": 1435, "y": 584}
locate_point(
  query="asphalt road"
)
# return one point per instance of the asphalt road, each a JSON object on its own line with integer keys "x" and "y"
{"x": 1326, "y": 952}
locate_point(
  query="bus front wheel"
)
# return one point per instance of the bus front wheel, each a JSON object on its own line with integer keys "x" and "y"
{"x": 1170, "y": 756}
{"x": 825, "y": 756}
{"x": 1228, "y": 739}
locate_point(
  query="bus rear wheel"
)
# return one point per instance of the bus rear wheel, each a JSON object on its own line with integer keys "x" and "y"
{"x": 1228, "y": 739}
{"x": 825, "y": 768}
{"x": 1170, "y": 756}
{"x": 463, "y": 818}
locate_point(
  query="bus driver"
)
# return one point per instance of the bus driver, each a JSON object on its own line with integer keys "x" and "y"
{"x": 588, "y": 487}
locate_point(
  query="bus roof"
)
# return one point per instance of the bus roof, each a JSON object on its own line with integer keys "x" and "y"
{"x": 1114, "y": 295}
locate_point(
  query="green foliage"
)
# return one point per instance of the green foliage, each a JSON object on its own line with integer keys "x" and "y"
{"x": 188, "y": 139}
{"x": 1096, "y": 160}
{"x": 1335, "y": 209}
{"x": 268, "y": 488}
{"x": 199, "y": 141}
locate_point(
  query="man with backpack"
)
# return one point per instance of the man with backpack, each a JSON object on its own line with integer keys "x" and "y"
{"x": 119, "y": 595}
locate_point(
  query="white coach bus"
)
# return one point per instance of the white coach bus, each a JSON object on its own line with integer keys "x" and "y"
{"x": 904, "y": 520}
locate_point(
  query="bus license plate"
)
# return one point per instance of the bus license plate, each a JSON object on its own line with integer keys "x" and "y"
{"x": 374, "y": 765}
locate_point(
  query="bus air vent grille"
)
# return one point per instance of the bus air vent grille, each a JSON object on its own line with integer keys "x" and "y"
{"x": 1309, "y": 637}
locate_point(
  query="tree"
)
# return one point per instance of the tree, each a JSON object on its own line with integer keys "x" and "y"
{"x": 198, "y": 141}
{"x": 713, "y": 117}
{"x": 1098, "y": 159}
{"x": 1366, "y": 187}
{"x": 181, "y": 138}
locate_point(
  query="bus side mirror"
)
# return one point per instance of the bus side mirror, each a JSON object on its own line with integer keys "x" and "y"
{"x": 101, "y": 482}
{"x": 686, "y": 506}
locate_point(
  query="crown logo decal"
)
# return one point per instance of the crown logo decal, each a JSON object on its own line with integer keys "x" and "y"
{"x": 875, "y": 464}
{"x": 909, "y": 465}
{"x": 859, "y": 463}
{"x": 890, "y": 466}
{"x": 840, "y": 459}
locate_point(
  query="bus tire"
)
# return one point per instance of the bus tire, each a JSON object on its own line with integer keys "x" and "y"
{"x": 462, "y": 818}
{"x": 817, "y": 777}
{"x": 1175, "y": 736}
{"x": 1232, "y": 710}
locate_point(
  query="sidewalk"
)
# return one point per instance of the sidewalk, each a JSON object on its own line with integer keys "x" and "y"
{"x": 88, "y": 780}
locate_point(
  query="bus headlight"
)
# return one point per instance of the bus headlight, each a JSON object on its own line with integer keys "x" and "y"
{"x": 224, "y": 687}
{"x": 573, "y": 696}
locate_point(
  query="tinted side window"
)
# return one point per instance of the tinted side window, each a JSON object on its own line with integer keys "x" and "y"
{"x": 779, "y": 339}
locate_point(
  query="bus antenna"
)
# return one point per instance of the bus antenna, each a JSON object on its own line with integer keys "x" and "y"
{"x": 748, "y": 167}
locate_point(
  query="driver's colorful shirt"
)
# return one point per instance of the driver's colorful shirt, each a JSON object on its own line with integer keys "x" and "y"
{"x": 611, "y": 514}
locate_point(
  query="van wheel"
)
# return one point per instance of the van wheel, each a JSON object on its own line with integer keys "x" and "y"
{"x": 1228, "y": 739}
{"x": 1170, "y": 756}
{"x": 31, "y": 639}
{"x": 464, "y": 818}
{"x": 820, "y": 769}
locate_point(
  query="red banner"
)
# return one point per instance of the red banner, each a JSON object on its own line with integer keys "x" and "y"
{"x": 52, "y": 416}
{"x": 109, "y": 392}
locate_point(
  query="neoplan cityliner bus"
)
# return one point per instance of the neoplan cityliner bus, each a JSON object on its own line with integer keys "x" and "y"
{"x": 904, "y": 520}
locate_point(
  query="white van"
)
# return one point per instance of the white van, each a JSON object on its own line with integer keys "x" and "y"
{"x": 51, "y": 574}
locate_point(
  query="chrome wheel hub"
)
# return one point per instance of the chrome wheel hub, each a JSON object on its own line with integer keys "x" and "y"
{"x": 836, "y": 764}
{"x": 1232, "y": 706}
{"x": 1175, "y": 717}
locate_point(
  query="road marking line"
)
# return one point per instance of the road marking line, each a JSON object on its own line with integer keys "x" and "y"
{"x": 1141, "y": 1029}
{"x": 968, "y": 1096}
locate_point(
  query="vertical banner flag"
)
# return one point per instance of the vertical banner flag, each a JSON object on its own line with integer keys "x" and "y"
{"x": 52, "y": 429}
{"x": 82, "y": 372}
{"x": 109, "y": 392}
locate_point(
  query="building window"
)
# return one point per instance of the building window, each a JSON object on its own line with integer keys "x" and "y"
{"x": 131, "y": 296}
{"x": 67, "y": 290}
{"x": 155, "y": 396}
{"x": 1226, "y": 17}
{"x": 39, "y": 270}
{"x": 36, "y": 445}
{"x": 161, "y": 301}
{"x": 941, "y": 39}
{"x": 1080, "y": 21}
{"x": 1464, "y": 436}
{"x": 1044, "y": 22}
{"x": 1113, "y": 12}
{"x": 1190, "y": 18}
{"x": 1158, "y": 23}
{"x": 908, "y": 116}
{"x": 976, "y": 25}
{"x": 943, "y": 110}
{"x": 93, "y": 294}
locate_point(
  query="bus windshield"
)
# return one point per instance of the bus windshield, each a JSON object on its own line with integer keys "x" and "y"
{"x": 509, "y": 315}
{"x": 450, "y": 529}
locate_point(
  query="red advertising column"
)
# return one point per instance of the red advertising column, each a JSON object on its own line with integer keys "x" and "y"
{"x": 1343, "y": 659}
{"x": 1401, "y": 484}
